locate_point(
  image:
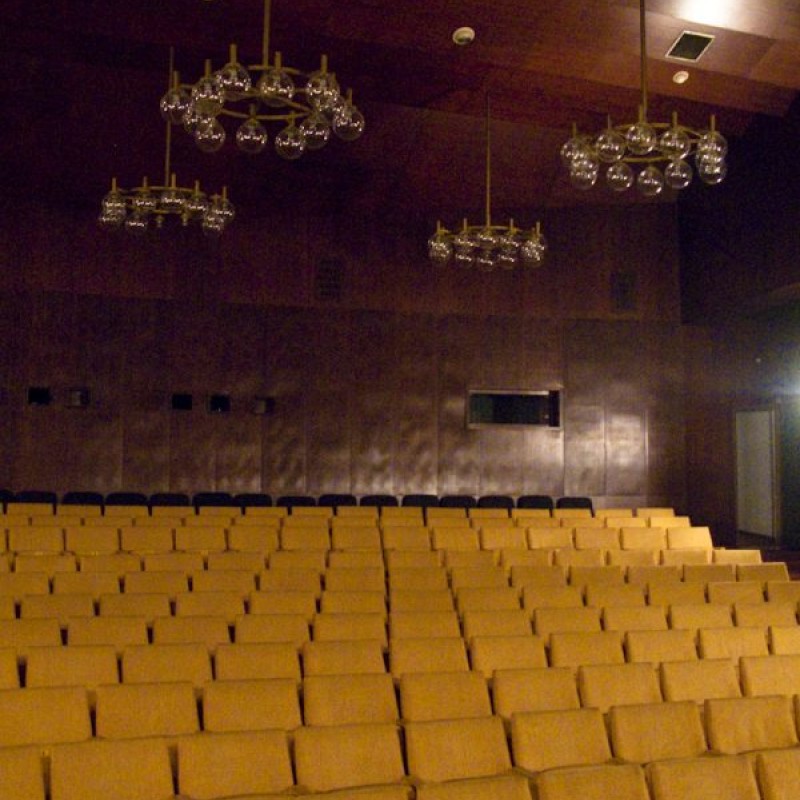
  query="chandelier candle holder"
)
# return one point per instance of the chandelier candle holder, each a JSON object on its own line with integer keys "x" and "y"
{"x": 650, "y": 155}
{"x": 488, "y": 246}
{"x": 135, "y": 209}
{"x": 310, "y": 105}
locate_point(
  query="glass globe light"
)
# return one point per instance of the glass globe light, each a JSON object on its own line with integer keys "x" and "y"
{"x": 171, "y": 201}
{"x": 439, "y": 249}
{"x": 113, "y": 204}
{"x": 322, "y": 91}
{"x": 208, "y": 96}
{"x": 710, "y": 169}
{"x": 533, "y": 249}
{"x": 143, "y": 202}
{"x": 610, "y": 146}
{"x": 641, "y": 139}
{"x": 109, "y": 219}
{"x": 573, "y": 148}
{"x": 506, "y": 259}
{"x": 210, "y": 136}
{"x": 213, "y": 225}
{"x": 222, "y": 208}
{"x": 674, "y": 143}
{"x": 193, "y": 119}
{"x": 463, "y": 241}
{"x": 650, "y": 181}
{"x": 234, "y": 80}
{"x": 678, "y": 174}
{"x": 276, "y": 87}
{"x": 348, "y": 123}
{"x": 290, "y": 143}
{"x": 174, "y": 105}
{"x": 196, "y": 204}
{"x": 316, "y": 129}
{"x": 251, "y": 137}
{"x": 712, "y": 143}
{"x": 619, "y": 176}
{"x": 583, "y": 171}
{"x": 485, "y": 239}
{"x": 484, "y": 261}
{"x": 463, "y": 257}
{"x": 136, "y": 223}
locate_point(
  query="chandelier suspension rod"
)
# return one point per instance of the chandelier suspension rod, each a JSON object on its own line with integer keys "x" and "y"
{"x": 488, "y": 166}
{"x": 265, "y": 35}
{"x": 643, "y": 56}
{"x": 168, "y": 148}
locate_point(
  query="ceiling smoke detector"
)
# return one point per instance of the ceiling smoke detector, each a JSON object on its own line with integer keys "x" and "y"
{"x": 463, "y": 36}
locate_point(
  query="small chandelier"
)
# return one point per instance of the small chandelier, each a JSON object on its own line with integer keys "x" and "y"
{"x": 661, "y": 149}
{"x": 135, "y": 209}
{"x": 310, "y": 105}
{"x": 488, "y": 246}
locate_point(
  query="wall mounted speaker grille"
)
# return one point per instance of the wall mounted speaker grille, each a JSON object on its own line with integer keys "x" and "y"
{"x": 181, "y": 401}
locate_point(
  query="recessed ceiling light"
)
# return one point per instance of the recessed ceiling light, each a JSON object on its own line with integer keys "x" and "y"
{"x": 681, "y": 76}
{"x": 463, "y": 36}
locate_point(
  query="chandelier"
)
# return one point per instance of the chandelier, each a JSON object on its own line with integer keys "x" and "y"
{"x": 649, "y": 154}
{"x": 488, "y": 246}
{"x": 309, "y": 105}
{"x": 135, "y": 209}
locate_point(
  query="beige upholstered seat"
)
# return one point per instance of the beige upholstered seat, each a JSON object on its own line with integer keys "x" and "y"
{"x": 490, "y": 653}
{"x": 129, "y": 770}
{"x": 257, "y": 661}
{"x": 699, "y": 680}
{"x": 573, "y": 649}
{"x": 605, "y": 685}
{"x": 335, "y": 757}
{"x": 730, "y": 777}
{"x": 159, "y": 663}
{"x": 44, "y": 716}
{"x": 620, "y": 781}
{"x": 22, "y": 773}
{"x": 537, "y": 689}
{"x": 656, "y": 731}
{"x": 349, "y": 699}
{"x": 427, "y": 655}
{"x": 132, "y": 711}
{"x": 337, "y": 658}
{"x": 251, "y": 705}
{"x": 744, "y": 724}
{"x": 443, "y": 695}
{"x": 551, "y": 739}
{"x": 768, "y": 675}
{"x": 446, "y": 750}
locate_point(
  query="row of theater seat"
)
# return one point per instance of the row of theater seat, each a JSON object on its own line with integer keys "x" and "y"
{"x": 742, "y": 748}
{"x": 164, "y": 537}
{"x": 388, "y": 513}
{"x": 326, "y": 648}
{"x": 252, "y": 686}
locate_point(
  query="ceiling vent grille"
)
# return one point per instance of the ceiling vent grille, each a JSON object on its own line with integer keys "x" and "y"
{"x": 689, "y": 46}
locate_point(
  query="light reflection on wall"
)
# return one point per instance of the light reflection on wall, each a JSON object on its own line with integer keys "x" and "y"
{"x": 719, "y": 13}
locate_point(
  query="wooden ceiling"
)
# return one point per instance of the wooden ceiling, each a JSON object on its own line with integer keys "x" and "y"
{"x": 81, "y": 79}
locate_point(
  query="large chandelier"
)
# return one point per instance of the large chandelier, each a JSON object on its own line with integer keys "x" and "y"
{"x": 488, "y": 246}
{"x": 309, "y": 105}
{"x": 135, "y": 209}
{"x": 649, "y": 154}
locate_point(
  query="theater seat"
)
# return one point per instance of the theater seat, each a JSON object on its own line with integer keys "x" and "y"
{"x": 618, "y": 781}
{"x": 124, "y": 770}
{"x": 348, "y": 756}
{"x": 22, "y": 774}
{"x": 728, "y": 777}
{"x": 251, "y": 764}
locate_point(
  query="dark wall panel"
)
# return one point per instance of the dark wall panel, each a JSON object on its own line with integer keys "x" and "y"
{"x": 369, "y": 385}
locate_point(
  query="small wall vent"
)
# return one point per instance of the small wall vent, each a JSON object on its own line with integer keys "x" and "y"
{"x": 689, "y": 46}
